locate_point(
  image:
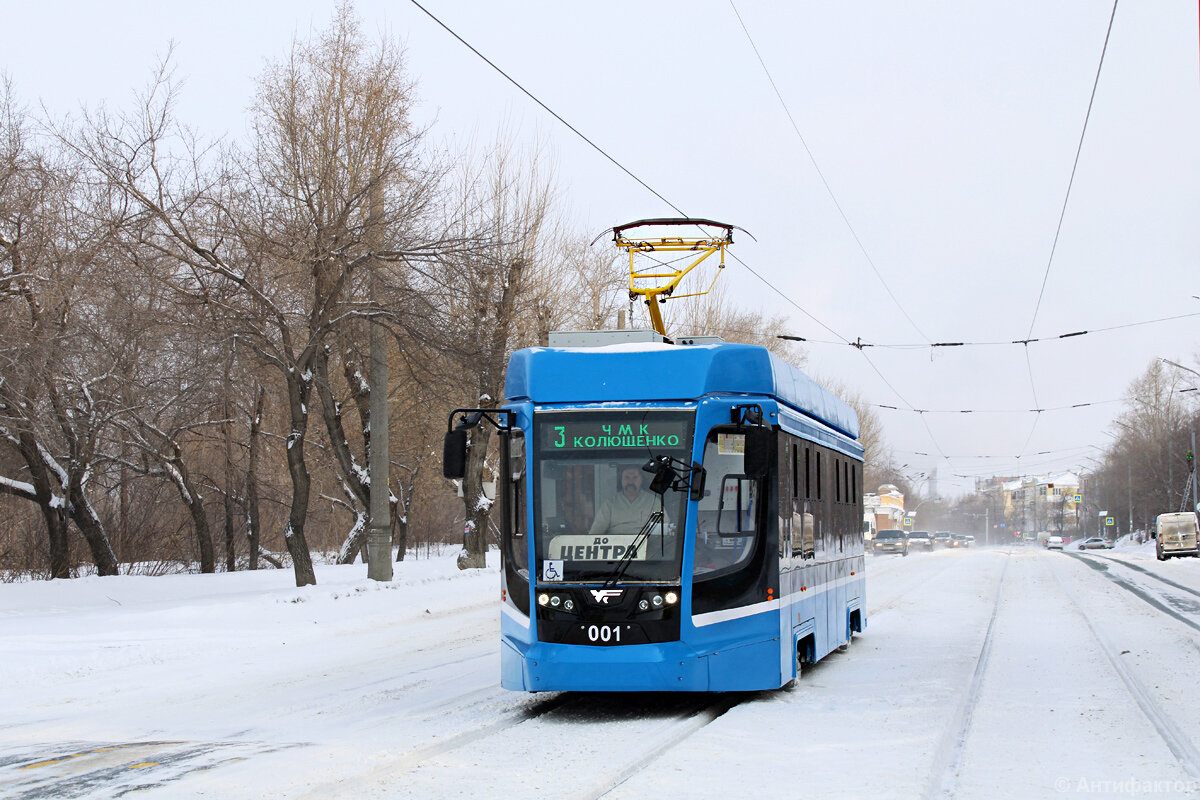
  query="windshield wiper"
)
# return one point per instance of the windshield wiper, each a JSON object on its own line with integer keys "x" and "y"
{"x": 655, "y": 518}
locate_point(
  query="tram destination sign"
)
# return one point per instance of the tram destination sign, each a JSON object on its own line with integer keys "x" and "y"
{"x": 612, "y": 434}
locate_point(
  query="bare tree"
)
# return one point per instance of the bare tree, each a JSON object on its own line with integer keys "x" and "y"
{"x": 507, "y": 214}
{"x": 279, "y": 243}
{"x": 1145, "y": 469}
{"x": 56, "y": 237}
{"x": 576, "y": 286}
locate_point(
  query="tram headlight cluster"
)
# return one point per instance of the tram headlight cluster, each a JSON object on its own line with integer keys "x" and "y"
{"x": 657, "y": 601}
{"x": 556, "y": 602}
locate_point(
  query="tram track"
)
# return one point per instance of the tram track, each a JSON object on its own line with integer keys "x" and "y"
{"x": 948, "y": 757}
{"x": 404, "y": 762}
{"x": 1176, "y": 740}
{"x": 706, "y": 711}
{"x": 664, "y": 721}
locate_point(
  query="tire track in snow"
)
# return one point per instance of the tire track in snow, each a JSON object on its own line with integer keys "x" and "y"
{"x": 1142, "y": 570}
{"x": 1145, "y": 593}
{"x": 1177, "y": 741}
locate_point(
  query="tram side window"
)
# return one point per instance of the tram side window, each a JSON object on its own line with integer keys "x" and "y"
{"x": 802, "y": 518}
{"x": 807, "y": 473}
{"x": 796, "y": 466}
{"x": 726, "y": 518}
{"x": 784, "y": 490}
{"x": 817, "y": 459}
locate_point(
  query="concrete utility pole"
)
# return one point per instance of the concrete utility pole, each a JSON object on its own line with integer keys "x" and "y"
{"x": 379, "y": 525}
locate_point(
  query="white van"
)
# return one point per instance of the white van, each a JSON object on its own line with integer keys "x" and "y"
{"x": 1175, "y": 535}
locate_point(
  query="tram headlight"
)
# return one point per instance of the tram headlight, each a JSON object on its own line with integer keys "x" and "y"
{"x": 568, "y": 604}
{"x": 543, "y": 599}
{"x": 555, "y": 601}
{"x": 657, "y": 601}
{"x": 672, "y": 598}
{"x": 643, "y": 604}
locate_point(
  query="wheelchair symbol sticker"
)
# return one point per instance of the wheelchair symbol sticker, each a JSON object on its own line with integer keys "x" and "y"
{"x": 552, "y": 570}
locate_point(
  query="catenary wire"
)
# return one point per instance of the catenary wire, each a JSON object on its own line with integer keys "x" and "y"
{"x": 1078, "y": 150}
{"x": 824, "y": 182}
{"x": 547, "y": 108}
{"x": 859, "y": 343}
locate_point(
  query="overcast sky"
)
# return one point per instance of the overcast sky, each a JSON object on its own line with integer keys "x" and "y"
{"x": 945, "y": 133}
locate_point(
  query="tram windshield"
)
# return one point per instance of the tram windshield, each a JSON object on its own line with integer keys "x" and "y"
{"x": 594, "y": 513}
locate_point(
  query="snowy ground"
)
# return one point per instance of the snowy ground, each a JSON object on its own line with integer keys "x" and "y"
{"x": 986, "y": 673}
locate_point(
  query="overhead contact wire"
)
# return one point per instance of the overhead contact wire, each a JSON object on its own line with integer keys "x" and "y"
{"x": 824, "y": 182}
{"x": 1078, "y": 150}
{"x": 548, "y": 110}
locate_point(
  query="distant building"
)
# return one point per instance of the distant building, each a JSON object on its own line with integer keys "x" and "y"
{"x": 882, "y": 510}
{"x": 1046, "y": 504}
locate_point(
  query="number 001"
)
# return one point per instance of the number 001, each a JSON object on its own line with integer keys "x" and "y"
{"x": 604, "y": 633}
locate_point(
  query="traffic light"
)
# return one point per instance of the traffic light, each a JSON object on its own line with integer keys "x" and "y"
{"x": 1189, "y": 458}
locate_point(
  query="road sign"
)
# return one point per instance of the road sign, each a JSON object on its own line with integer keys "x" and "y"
{"x": 908, "y": 522}
{"x": 1109, "y": 521}
{"x": 1078, "y": 498}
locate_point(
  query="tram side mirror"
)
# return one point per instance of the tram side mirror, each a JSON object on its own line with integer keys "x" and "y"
{"x": 758, "y": 452}
{"x": 454, "y": 454}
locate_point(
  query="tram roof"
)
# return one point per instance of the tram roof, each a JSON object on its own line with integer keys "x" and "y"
{"x": 650, "y": 372}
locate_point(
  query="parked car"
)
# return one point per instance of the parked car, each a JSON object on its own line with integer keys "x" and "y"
{"x": 890, "y": 540}
{"x": 921, "y": 538}
{"x": 961, "y": 540}
{"x": 942, "y": 539}
{"x": 1054, "y": 543}
{"x": 1176, "y": 535}
{"x": 1095, "y": 543}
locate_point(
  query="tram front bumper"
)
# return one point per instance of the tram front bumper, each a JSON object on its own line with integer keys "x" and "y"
{"x": 624, "y": 668}
{"x": 672, "y": 666}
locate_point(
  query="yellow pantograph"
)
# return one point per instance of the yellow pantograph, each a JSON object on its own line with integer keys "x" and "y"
{"x": 660, "y": 279}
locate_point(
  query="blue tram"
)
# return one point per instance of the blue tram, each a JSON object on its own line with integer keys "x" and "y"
{"x": 674, "y": 517}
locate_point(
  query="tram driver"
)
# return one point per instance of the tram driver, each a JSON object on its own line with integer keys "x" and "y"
{"x": 627, "y": 511}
